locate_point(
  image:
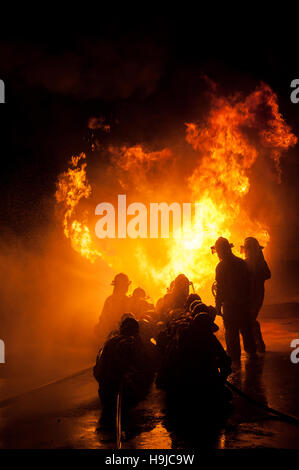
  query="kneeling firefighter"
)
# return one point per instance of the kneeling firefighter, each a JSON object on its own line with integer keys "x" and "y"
{"x": 122, "y": 366}
{"x": 197, "y": 364}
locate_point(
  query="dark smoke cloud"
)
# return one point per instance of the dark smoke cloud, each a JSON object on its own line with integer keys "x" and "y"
{"x": 106, "y": 69}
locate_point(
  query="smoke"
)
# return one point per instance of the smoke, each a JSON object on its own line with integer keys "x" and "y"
{"x": 105, "y": 69}
{"x": 51, "y": 299}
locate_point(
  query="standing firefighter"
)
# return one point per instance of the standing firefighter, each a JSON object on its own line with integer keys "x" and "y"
{"x": 233, "y": 295}
{"x": 114, "y": 307}
{"x": 259, "y": 273}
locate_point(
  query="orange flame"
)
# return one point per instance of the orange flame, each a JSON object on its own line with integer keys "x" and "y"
{"x": 72, "y": 186}
{"x": 223, "y": 155}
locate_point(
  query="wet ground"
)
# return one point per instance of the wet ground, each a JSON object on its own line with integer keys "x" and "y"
{"x": 65, "y": 414}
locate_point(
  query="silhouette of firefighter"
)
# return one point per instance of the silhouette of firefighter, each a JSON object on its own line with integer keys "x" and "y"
{"x": 233, "y": 296}
{"x": 194, "y": 302}
{"x": 122, "y": 366}
{"x": 193, "y": 375}
{"x": 194, "y": 361}
{"x": 259, "y": 273}
{"x": 162, "y": 302}
{"x": 173, "y": 303}
{"x": 114, "y": 307}
{"x": 140, "y": 306}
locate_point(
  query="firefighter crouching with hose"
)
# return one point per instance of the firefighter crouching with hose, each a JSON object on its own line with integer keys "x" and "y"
{"x": 193, "y": 361}
{"x": 122, "y": 366}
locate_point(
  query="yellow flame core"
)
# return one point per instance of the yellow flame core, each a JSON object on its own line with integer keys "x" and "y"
{"x": 218, "y": 183}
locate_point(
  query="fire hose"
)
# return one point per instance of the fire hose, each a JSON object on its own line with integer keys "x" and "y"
{"x": 285, "y": 417}
{"x": 118, "y": 416}
{"x": 282, "y": 416}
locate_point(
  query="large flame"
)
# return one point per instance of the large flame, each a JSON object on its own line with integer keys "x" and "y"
{"x": 72, "y": 186}
{"x": 216, "y": 176}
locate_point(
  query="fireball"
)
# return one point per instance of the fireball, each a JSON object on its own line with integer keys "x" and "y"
{"x": 215, "y": 174}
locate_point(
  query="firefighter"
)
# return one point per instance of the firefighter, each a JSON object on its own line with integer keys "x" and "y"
{"x": 195, "y": 362}
{"x": 180, "y": 292}
{"x": 122, "y": 366}
{"x": 259, "y": 272}
{"x": 190, "y": 299}
{"x": 202, "y": 351}
{"x": 162, "y": 304}
{"x": 139, "y": 304}
{"x": 198, "y": 306}
{"x": 175, "y": 300}
{"x": 233, "y": 295}
{"x": 114, "y": 307}
{"x": 197, "y": 400}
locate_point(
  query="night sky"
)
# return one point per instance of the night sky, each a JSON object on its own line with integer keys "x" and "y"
{"x": 145, "y": 78}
